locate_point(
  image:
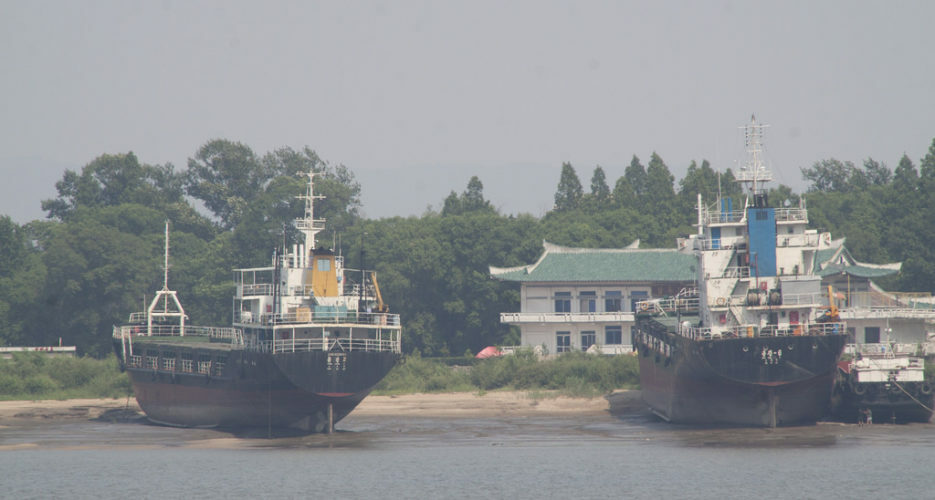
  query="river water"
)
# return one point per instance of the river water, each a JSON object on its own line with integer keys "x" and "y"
{"x": 598, "y": 456}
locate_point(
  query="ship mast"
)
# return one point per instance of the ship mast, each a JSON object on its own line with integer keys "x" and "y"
{"x": 754, "y": 171}
{"x": 309, "y": 225}
{"x": 164, "y": 295}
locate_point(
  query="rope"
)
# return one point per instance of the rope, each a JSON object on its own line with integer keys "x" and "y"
{"x": 920, "y": 403}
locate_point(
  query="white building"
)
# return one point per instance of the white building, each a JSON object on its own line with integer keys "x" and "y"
{"x": 583, "y": 298}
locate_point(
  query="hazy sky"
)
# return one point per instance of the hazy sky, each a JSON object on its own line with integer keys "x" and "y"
{"x": 416, "y": 97}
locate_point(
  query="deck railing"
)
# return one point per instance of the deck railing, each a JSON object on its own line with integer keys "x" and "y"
{"x": 234, "y": 335}
{"x": 322, "y": 317}
{"x": 326, "y": 344}
{"x": 706, "y": 333}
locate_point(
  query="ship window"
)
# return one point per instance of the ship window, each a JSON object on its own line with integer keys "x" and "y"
{"x": 872, "y": 335}
{"x": 204, "y": 364}
{"x": 562, "y": 302}
{"x": 612, "y": 301}
{"x": 324, "y": 265}
{"x": 613, "y": 335}
{"x": 587, "y": 340}
{"x": 562, "y": 341}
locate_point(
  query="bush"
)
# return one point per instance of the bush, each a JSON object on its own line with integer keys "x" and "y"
{"x": 33, "y": 375}
{"x": 573, "y": 374}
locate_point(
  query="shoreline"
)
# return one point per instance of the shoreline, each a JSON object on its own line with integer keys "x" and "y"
{"x": 453, "y": 404}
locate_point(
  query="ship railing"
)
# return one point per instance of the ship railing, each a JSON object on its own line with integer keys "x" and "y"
{"x": 669, "y": 305}
{"x": 326, "y": 344}
{"x": 797, "y": 240}
{"x": 736, "y": 272}
{"x": 234, "y": 335}
{"x": 888, "y": 301}
{"x": 309, "y": 224}
{"x": 324, "y": 317}
{"x": 255, "y": 289}
{"x": 722, "y": 243}
{"x": 723, "y": 216}
{"x": 738, "y": 331}
{"x": 791, "y": 214}
{"x": 793, "y": 299}
{"x": 891, "y": 348}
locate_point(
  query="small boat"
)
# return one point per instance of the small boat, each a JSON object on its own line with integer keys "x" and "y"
{"x": 884, "y": 383}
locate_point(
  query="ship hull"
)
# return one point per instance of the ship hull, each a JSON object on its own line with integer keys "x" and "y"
{"x": 252, "y": 389}
{"x": 740, "y": 381}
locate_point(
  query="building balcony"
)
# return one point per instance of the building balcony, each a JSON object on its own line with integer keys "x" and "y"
{"x": 516, "y": 318}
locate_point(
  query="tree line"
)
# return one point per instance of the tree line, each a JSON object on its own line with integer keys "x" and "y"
{"x": 98, "y": 255}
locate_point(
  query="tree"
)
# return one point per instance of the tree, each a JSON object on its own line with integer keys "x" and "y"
{"x": 112, "y": 180}
{"x": 471, "y": 200}
{"x": 833, "y": 175}
{"x": 660, "y": 200}
{"x": 877, "y": 173}
{"x": 569, "y": 193}
{"x": 226, "y": 176}
{"x": 21, "y": 273}
{"x": 599, "y": 189}
{"x": 629, "y": 189}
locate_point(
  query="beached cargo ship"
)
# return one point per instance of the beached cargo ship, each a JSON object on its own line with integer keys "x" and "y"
{"x": 757, "y": 342}
{"x": 309, "y": 340}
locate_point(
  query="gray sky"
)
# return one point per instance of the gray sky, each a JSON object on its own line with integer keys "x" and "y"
{"x": 416, "y": 97}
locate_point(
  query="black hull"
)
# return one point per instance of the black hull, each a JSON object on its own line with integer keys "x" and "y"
{"x": 254, "y": 389}
{"x": 738, "y": 381}
{"x": 887, "y": 403}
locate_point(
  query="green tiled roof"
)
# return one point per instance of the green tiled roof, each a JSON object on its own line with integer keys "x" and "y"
{"x": 589, "y": 264}
{"x": 857, "y": 270}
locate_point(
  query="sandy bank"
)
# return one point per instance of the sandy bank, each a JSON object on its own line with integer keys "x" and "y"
{"x": 491, "y": 404}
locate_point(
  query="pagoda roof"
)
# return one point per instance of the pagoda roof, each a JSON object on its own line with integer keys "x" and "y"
{"x": 568, "y": 264}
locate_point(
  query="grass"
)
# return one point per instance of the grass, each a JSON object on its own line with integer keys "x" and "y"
{"x": 34, "y": 376}
{"x": 575, "y": 374}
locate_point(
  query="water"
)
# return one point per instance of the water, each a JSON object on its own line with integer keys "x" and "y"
{"x": 496, "y": 457}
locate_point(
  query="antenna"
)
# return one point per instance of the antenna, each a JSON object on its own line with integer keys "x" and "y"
{"x": 165, "y": 266}
{"x": 754, "y": 172}
{"x": 308, "y": 224}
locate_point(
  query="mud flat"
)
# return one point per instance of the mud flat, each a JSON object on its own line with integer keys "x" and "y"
{"x": 462, "y": 404}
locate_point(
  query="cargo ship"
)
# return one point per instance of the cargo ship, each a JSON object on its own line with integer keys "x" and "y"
{"x": 309, "y": 339}
{"x": 884, "y": 383}
{"x": 756, "y": 342}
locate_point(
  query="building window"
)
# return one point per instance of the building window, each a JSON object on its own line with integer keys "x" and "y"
{"x": 872, "y": 335}
{"x": 563, "y": 302}
{"x": 587, "y": 302}
{"x": 613, "y": 301}
{"x": 562, "y": 341}
{"x": 587, "y": 340}
{"x": 613, "y": 335}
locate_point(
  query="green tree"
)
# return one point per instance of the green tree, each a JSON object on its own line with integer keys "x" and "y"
{"x": 226, "y": 176}
{"x": 569, "y": 193}
{"x": 112, "y": 180}
{"x": 21, "y": 270}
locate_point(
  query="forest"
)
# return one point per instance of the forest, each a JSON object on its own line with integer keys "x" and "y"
{"x": 98, "y": 254}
